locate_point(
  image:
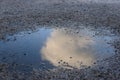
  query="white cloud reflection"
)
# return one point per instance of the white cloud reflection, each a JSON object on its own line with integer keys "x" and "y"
{"x": 71, "y": 48}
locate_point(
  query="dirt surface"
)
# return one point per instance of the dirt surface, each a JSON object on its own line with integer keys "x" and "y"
{"x": 62, "y": 14}
{"x": 14, "y": 19}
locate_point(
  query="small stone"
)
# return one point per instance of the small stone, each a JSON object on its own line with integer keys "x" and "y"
{"x": 25, "y": 54}
{"x": 70, "y": 57}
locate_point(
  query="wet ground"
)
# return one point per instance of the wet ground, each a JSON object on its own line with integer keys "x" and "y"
{"x": 60, "y": 41}
{"x": 47, "y": 47}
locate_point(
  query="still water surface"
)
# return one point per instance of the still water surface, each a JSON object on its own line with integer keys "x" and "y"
{"x": 48, "y": 48}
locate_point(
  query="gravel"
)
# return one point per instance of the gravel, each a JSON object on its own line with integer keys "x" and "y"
{"x": 92, "y": 15}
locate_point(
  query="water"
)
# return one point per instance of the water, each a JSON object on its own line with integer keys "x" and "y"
{"x": 48, "y": 48}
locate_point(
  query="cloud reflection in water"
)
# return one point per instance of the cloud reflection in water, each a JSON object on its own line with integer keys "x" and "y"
{"x": 73, "y": 49}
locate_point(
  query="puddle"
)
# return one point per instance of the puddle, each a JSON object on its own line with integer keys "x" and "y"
{"x": 48, "y": 48}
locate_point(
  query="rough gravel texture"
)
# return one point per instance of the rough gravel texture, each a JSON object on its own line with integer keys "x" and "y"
{"x": 22, "y": 17}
